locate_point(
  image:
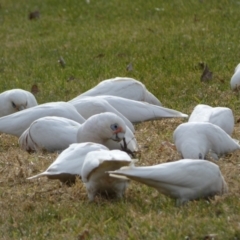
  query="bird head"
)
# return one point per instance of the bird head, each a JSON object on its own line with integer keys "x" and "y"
{"x": 19, "y": 107}
{"x": 102, "y": 127}
{"x": 193, "y": 151}
{"x": 118, "y": 132}
{"x": 17, "y": 100}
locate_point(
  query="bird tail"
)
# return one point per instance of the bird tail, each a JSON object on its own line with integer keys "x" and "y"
{"x": 26, "y": 141}
{"x": 224, "y": 187}
{"x": 150, "y": 98}
{"x": 118, "y": 176}
{"x": 120, "y": 173}
{"x": 37, "y": 176}
{"x": 166, "y": 112}
{"x": 236, "y": 141}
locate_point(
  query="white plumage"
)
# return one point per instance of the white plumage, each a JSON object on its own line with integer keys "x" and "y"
{"x": 196, "y": 139}
{"x": 16, "y": 123}
{"x": 122, "y": 87}
{"x": 69, "y": 163}
{"x": 129, "y": 139}
{"x": 50, "y": 134}
{"x": 220, "y": 116}
{"x": 183, "y": 180}
{"x": 57, "y": 133}
{"x": 102, "y": 127}
{"x": 15, "y": 100}
{"x": 90, "y": 106}
{"x": 235, "y": 79}
{"x": 134, "y": 111}
{"x": 94, "y": 175}
{"x": 107, "y": 129}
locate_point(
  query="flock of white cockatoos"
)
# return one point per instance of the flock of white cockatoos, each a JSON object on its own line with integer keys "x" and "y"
{"x": 95, "y": 134}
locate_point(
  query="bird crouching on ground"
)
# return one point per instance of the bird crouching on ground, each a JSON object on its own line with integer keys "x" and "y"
{"x": 95, "y": 176}
{"x": 15, "y": 100}
{"x": 183, "y": 180}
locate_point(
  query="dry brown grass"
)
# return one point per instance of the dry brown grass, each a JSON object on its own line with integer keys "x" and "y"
{"x": 165, "y": 41}
{"x": 46, "y": 205}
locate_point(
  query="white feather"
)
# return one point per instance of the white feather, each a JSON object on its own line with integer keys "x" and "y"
{"x": 196, "y": 139}
{"x": 50, "y": 134}
{"x": 57, "y": 133}
{"x": 99, "y": 128}
{"x": 16, "y": 123}
{"x": 136, "y": 111}
{"x": 90, "y": 106}
{"x": 69, "y": 163}
{"x": 220, "y": 116}
{"x": 15, "y": 100}
{"x": 183, "y": 180}
{"x": 94, "y": 175}
{"x": 122, "y": 87}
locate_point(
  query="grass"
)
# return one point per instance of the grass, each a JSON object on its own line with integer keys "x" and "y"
{"x": 165, "y": 41}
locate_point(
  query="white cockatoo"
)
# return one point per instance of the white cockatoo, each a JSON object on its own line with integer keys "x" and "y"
{"x": 114, "y": 128}
{"x": 16, "y": 123}
{"x": 90, "y": 106}
{"x": 122, "y": 87}
{"x": 49, "y": 134}
{"x": 134, "y": 111}
{"x": 197, "y": 139}
{"x": 220, "y": 116}
{"x": 68, "y": 165}
{"x": 95, "y": 176}
{"x": 57, "y": 133}
{"x": 15, "y": 100}
{"x": 183, "y": 180}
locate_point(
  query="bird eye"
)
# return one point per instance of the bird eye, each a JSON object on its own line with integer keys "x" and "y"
{"x": 114, "y": 126}
{"x": 13, "y": 104}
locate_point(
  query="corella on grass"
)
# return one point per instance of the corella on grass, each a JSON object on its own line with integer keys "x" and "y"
{"x": 49, "y": 134}
{"x": 107, "y": 129}
{"x": 134, "y": 111}
{"x": 197, "y": 139}
{"x": 183, "y": 180}
{"x": 95, "y": 176}
{"x": 90, "y": 106}
{"x": 68, "y": 165}
{"x": 220, "y": 116}
{"x": 16, "y": 123}
{"x": 15, "y": 100}
{"x": 122, "y": 87}
{"x": 57, "y": 133}
{"x": 102, "y": 128}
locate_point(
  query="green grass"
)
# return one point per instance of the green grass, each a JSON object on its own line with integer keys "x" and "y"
{"x": 165, "y": 41}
